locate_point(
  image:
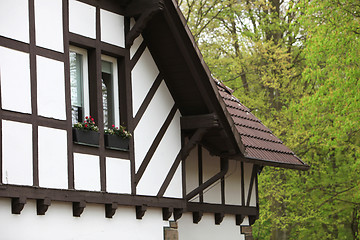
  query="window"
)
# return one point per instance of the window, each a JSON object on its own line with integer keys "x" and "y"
{"x": 79, "y": 84}
{"x": 110, "y": 93}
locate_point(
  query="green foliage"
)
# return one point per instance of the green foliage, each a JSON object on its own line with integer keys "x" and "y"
{"x": 295, "y": 64}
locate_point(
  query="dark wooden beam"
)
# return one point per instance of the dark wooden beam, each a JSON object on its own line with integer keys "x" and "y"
{"x": 251, "y": 186}
{"x": 78, "y": 208}
{"x": 140, "y": 211}
{"x": 42, "y": 205}
{"x": 252, "y": 219}
{"x": 197, "y": 216}
{"x": 166, "y": 212}
{"x": 17, "y": 204}
{"x": 239, "y": 218}
{"x": 216, "y": 208}
{"x": 178, "y": 213}
{"x": 219, "y": 217}
{"x": 200, "y": 121}
{"x": 137, "y": 7}
{"x": 110, "y": 209}
{"x": 212, "y": 180}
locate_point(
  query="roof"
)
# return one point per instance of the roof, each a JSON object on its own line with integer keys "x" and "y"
{"x": 259, "y": 141}
{"x": 239, "y": 134}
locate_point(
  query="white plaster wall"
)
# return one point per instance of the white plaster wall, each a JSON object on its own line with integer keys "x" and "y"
{"x": 53, "y": 161}
{"x": 143, "y": 76}
{"x": 49, "y": 24}
{"x": 207, "y": 230}
{"x": 82, "y": 19}
{"x": 136, "y": 45}
{"x": 118, "y": 176}
{"x": 192, "y": 172}
{"x": 15, "y": 80}
{"x": 162, "y": 161}
{"x": 247, "y": 177}
{"x": 87, "y": 172}
{"x": 59, "y": 224}
{"x": 211, "y": 166}
{"x": 14, "y": 19}
{"x": 233, "y": 183}
{"x": 174, "y": 189}
{"x": 112, "y": 28}
{"x": 17, "y": 165}
{"x": 151, "y": 122}
{"x": 50, "y": 88}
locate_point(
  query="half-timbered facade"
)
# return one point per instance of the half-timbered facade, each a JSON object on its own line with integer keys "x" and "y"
{"x": 193, "y": 160}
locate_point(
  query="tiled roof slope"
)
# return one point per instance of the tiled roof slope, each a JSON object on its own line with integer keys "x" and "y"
{"x": 260, "y": 143}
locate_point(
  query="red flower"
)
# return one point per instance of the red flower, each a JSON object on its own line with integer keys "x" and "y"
{"x": 86, "y": 117}
{"x": 86, "y": 125}
{"x": 113, "y": 125}
{"x": 92, "y": 119}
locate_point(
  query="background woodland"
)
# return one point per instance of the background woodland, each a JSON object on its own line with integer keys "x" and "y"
{"x": 296, "y": 65}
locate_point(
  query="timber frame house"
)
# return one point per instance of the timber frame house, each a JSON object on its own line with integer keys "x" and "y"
{"x": 196, "y": 151}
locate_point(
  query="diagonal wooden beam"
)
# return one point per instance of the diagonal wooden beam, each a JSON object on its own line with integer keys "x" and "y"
{"x": 212, "y": 180}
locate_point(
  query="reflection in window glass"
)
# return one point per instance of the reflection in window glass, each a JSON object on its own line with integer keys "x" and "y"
{"x": 107, "y": 93}
{"x": 76, "y": 81}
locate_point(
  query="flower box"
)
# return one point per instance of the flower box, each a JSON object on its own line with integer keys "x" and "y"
{"x": 116, "y": 142}
{"x": 86, "y": 137}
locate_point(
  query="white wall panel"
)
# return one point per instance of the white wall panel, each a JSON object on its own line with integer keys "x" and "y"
{"x": 14, "y": 19}
{"x": 50, "y": 88}
{"x": 49, "y": 24}
{"x": 247, "y": 177}
{"x": 59, "y": 224}
{"x": 87, "y": 172}
{"x": 207, "y": 230}
{"x": 192, "y": 172}
{"x": 53, "y": 158}
{"x": 17, "y": 164}
{"x": 82, "y": 19}
{"x": 162, "y": 161}
{"x": 143, "y": 76}
{"x": 233, "y": 183}
{"x": 174, "y": 189}
{"x": 136, "y": 45}
{"x": 151, "y": 122}
{"x": 118, "y": 175}
{"x": 15, "y": 80}
{"x": 211, "y": 166}
{"x": 112, "y": 28}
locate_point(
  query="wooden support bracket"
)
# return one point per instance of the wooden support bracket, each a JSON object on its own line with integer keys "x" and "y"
{"x": 197, "y": 216}
{"x": 166, "y": 212}
{"x": 239, "y": 219}
{"x": 200, "y": 121}
{"x": 140, "y": 211}
{"x": 178, "y": 213}
{"x": 78, "y": 208}
{"x": 110, "y": 209}
{"x": 219, "y": 217}
{"x": 42, "y": 205}
{"x": 252, "y": 219}
{"x": 17, "y": 205}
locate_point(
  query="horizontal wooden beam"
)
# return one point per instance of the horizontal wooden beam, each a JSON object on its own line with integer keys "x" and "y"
{"x": 199, "y": 121}
{"x": 216, "y": 208}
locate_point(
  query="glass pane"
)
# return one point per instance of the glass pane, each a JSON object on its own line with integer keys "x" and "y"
{"x": 76, "y": 87}
{"x": 107, "y": 93}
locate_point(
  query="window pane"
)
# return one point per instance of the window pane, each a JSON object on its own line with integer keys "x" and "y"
{"x": 76, "y": 80}
{"x": 107, "y": 93}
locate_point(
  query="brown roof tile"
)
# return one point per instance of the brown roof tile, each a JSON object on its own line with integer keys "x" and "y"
{"x": 260, "y": 144}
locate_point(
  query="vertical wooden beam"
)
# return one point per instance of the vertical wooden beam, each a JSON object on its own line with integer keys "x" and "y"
{"x": 200, "y": 171}
{"x": 252, "y": 180}
{"x": 68, "y": 94}
{"x": 242, "y": 184}
{"x": 33, "y": 79}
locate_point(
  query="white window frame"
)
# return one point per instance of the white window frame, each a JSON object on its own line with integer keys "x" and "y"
{"x": 115, "y": 86}
{"x": 85, "y": 76}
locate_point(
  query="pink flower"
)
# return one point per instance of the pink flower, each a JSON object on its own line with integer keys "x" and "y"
{"x": 86, "y": 125}
{"x": 113, "y": 125}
